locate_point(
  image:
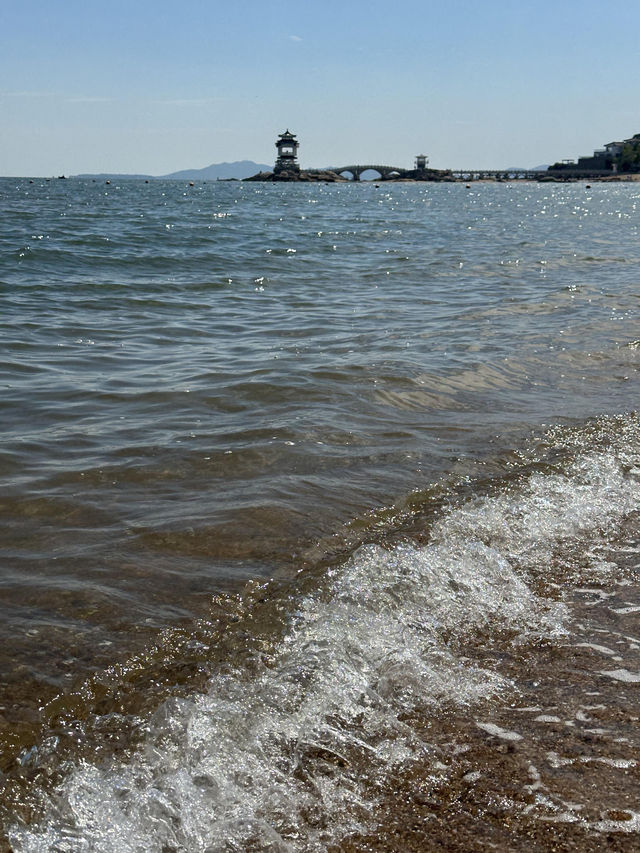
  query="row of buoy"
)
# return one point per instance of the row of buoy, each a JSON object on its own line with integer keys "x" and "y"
{"x": 191, "y": 183}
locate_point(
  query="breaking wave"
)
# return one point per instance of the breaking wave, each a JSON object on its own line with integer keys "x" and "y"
{"x": 287, "y": 747}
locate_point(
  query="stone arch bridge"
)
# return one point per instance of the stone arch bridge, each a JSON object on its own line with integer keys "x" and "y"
{"x": 460, "y": 174}
{"x": 357, "y": 170}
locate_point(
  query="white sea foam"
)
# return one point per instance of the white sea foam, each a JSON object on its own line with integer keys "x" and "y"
{"x": 630, "y": 823}
{"x": 622, "y": 675}
{"x": 497, "y": 731}
{"x": 277, "y": 758}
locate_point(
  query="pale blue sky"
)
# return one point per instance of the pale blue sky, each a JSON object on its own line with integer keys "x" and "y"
{"x": 154, "y": 87}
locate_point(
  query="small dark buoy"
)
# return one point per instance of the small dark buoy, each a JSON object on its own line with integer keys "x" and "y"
{"x": 191, "y": 184}
{"x": 107, "y": 182}
{"x": 588, "y": 186}
{"x": 468, "y": 186}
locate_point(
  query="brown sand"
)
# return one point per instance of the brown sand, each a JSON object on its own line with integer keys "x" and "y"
{"x": 561, "y": 769}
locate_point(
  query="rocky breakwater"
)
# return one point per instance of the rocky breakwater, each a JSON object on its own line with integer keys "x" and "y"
{"x": 311, "y": 176}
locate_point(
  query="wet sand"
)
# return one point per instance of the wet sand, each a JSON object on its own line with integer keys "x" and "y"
{"x": 554, "y": 767}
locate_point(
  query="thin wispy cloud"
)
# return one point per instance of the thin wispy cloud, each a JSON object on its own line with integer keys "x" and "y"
{"x": 89, "y": 99}
{"x": 188, "y": 102}
{"x": 24, "y": 94}
{"x": 71, "y": 99}
{"x": 295, "y": 38}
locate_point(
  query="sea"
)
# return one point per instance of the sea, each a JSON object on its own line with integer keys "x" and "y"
{"x": 319, "y": 520}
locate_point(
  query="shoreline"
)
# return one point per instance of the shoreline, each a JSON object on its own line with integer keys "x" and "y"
{"x": 325, "y": 176}
{"x": 550, "y": 765}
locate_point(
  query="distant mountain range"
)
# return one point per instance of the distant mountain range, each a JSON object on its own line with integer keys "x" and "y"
{"x": 216, "y": 171}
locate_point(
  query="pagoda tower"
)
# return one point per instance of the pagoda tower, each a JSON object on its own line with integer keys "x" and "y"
{"x": 287, "y": 146}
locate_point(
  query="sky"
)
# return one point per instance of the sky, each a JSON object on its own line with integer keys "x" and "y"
{"x": 155, "y": 87}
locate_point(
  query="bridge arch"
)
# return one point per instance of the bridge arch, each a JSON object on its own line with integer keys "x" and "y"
{"x": 357, "y": 170}
{"x": 370, "y": 174}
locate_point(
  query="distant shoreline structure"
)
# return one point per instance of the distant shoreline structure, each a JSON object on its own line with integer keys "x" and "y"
{"x": 617, "y": 161}
{"x": 604, "y": 165}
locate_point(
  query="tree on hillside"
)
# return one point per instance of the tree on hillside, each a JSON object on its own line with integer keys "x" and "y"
{"x": 629, "y": 158}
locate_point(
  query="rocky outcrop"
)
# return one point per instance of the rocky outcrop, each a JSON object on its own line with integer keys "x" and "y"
{"x": 311, "y": 176}
{"x": 328, "y": 176}
{"x": 421, "y": 175}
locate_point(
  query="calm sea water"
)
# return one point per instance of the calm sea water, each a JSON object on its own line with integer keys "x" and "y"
{"x": 274, "y": 459}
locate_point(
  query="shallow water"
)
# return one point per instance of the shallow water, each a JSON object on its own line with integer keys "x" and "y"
{"x": 403, "y": 413}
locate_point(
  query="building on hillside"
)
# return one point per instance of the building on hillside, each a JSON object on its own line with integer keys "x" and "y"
{"x": 614, "y": 148}
{"x": 615, "y": 156}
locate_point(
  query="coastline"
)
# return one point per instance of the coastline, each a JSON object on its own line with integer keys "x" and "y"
{"x": 444, "y": 176}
